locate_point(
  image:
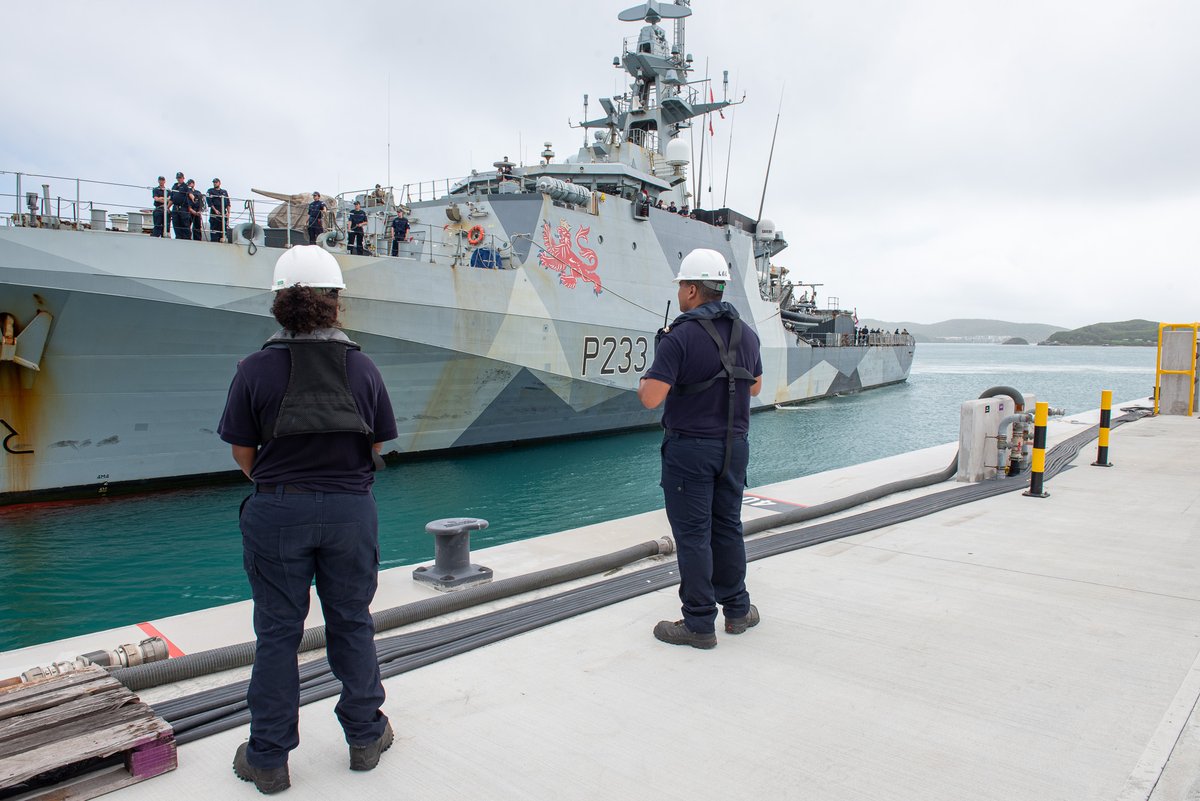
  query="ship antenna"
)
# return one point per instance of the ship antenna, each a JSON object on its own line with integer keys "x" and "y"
{"x": 770, "y": 157}
{"x": 389, "y": 133}
{"x": 729, "y": 152}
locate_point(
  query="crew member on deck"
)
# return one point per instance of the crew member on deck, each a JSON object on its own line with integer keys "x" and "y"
{"x": 159, "y": 194}
{"x": 316, "y": 211}
{"x": 357, "y": 224}
{"x": 399, "y": 232}
{"x": 218, "y": 213}
{"x": 196, "y": 210}
{"x": 181, "y": 219}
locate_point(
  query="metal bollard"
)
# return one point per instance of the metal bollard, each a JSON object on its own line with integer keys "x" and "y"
{"x": 452, "y": 568}
{"x": 1105, "y": 424}
{"x": 1040, "y": 415}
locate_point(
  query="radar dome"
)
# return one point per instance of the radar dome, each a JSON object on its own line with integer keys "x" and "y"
{"x": 765, "y": 230}
{"x": 678, "y": 153}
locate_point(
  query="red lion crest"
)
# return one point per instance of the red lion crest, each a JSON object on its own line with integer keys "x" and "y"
{"x": 559, "y": 255}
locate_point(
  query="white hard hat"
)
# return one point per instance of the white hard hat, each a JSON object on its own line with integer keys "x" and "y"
{"x": 703, "y": 264}
{"x": 307, "y": 265}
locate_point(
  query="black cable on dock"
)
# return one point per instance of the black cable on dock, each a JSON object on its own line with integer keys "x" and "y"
{"x": 222, "y": 708}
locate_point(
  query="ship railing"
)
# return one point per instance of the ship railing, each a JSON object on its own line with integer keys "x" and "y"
{"x": 883, "y": 339}
{"x": 39, "y": 201}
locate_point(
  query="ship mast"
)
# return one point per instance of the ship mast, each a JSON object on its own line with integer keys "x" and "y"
{"x": 652, "y": 113}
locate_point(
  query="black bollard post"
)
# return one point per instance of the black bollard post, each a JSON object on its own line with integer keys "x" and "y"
{"x": 1105, "y": 424}
{"x": 1041, "y": 414}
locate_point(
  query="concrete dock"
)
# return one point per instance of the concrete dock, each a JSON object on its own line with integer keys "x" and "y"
{"x": 1012, "y": 648}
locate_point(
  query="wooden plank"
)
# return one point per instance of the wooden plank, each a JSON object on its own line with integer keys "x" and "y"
{"x": 99, "y": 704}
{"x": 83, "y": 787}
{"x": 50, "y": 692}
{"x": 78, "y": 722}
{"x": 98, "y": 725}
{"x": 84, "y": 746}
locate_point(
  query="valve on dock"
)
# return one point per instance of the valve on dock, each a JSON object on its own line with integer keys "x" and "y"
{"x": 452, "y": 568}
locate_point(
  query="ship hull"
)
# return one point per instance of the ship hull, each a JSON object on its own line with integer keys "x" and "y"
{"x": 146, "y": 334}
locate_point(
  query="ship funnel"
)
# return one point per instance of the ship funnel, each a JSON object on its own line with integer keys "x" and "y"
{"x": 249, "y": 232}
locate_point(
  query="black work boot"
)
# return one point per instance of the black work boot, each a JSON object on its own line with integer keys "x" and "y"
{"x": 678, "y": 633}
{"x": 366, "y": 757}
{"x": 267, "y": 780}
{"x": 737, "y": 625}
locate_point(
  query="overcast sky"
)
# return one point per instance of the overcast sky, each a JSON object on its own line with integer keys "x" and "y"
{"x": 1035, "y": 161}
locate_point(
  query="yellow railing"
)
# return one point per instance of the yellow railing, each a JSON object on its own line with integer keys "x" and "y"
{"x": 1159, "y": 371}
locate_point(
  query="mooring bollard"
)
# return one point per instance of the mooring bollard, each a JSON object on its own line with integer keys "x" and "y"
{"x": 452, "y": 568}
{"x": 1040, "y": 415}
{"x": 1105, "y": 424}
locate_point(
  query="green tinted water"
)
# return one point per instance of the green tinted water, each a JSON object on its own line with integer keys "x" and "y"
{"x": 71, "y": 568}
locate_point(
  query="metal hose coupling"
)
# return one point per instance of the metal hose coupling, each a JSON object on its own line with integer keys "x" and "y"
{"x": 666, "y": 546}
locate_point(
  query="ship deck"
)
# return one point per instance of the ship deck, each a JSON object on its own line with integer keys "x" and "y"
{"x": 1011, "y": 648}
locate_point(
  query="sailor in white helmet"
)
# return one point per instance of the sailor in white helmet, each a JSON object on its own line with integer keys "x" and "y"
{"x": 306, "y": 417}
{"x": 706, "y": 368}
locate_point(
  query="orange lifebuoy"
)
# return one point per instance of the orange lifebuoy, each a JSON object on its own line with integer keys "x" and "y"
{"x": 475, "y": 235}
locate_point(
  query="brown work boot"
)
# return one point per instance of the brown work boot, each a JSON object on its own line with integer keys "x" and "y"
{"x": 366, "y": 757}
{"x": 268, "y": 780}
{"x": 678, "y": 633}
{"x": 737, "y": 625}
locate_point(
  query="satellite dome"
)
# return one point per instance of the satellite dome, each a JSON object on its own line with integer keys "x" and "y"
{"x": 765, "y": 230}
{"x": 678, "y": 153}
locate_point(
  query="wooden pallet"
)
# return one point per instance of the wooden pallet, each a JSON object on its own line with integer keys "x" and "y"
{"x": 78, "y": 736}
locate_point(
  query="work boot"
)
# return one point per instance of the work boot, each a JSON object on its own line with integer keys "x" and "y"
{"x": 366, "y": 757}
{"x": 678, "y": 633}
{"x": 737, "y": 625}
{"x": 268, "y": 780}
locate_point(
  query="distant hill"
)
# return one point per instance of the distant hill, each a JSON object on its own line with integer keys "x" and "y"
{"x": 1016, "y": 341}
{"x": 965, "y": 330}
{"x": 1129, "y": 332}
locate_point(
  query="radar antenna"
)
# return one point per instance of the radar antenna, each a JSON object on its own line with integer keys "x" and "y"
{"x": 652, "y": 11}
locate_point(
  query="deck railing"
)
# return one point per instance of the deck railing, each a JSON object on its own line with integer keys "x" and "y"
{"x": 57, "y": 202}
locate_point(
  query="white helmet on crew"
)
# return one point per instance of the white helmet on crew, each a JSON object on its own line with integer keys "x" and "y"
{"x": 704, "y": 265}
{"x": 307, "y": 265}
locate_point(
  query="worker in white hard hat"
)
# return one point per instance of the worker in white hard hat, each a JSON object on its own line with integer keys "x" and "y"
{"x": 307, "y": 417}
{"x": 706, "y": 368}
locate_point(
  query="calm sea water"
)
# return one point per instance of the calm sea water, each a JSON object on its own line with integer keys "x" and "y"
{"x": 71, "y": 568}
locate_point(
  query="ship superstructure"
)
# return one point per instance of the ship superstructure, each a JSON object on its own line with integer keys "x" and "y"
{"x": 523, "y": 306}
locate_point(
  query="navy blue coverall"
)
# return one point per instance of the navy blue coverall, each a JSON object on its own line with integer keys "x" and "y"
{"x": 703, "y": 499}
{"x": 312, "y": 515}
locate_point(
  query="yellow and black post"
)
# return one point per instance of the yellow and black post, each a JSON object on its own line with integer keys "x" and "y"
{"x": 1040, "y": 415}
{"x": 1105, "y": 424}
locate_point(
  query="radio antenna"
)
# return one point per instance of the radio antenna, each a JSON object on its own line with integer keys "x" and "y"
{"x": 770, "y": 157}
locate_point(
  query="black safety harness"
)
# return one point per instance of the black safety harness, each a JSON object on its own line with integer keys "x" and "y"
{"x": 730, "y": 370}
{"x": 318, "y": 399}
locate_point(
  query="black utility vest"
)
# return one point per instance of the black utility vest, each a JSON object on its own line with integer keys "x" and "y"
{"x": 318, "y": 399}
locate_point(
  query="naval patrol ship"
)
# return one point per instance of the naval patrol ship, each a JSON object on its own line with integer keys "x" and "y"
{"x": 523, "y": 305}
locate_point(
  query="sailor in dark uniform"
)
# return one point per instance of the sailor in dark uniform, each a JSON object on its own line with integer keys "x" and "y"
{"x": 306, "y": 417}
{"x": 181, "y": 218}
{"x": 218, "y": 213}
{"x": 399, "y": 232}
{"x": 159, "y": 195}
{"x": 196, "y": 210}
{"x": 706, "y": 368}
{"x": 316, "y": 225}
{"x": 357, "y": 223}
